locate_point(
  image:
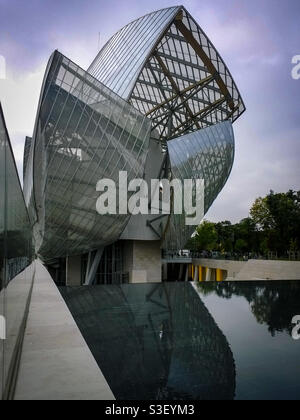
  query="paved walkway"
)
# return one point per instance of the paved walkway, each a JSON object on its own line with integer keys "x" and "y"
{"x": 56, "y": 363}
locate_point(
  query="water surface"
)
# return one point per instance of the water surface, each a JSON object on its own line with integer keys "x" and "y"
{"x": 183, "y": 341}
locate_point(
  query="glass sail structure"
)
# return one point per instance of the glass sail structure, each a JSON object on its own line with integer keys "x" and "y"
{"x": 84, "y": 133}
{"x": 166, "y": 66}
{"x": 157, "y": 96}
{"x": 206, "y": 154}
{"x": 121, "y": 60}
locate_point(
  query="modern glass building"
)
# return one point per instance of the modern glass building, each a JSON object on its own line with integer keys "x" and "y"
{"x": 157, "y": 102}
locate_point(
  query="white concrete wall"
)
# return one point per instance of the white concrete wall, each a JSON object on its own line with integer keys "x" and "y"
{"x": 232, "y": 267}
{"x": 270, "y": 270}
{"x": 254, "y": 269}
{"x": 142, "y": 259}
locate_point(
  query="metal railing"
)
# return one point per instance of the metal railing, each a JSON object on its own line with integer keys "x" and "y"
{"x": 231, "y": 256}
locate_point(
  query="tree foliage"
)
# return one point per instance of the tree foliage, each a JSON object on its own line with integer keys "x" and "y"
{"x": 273, "y": 226}
{"x": 206, "y": 237}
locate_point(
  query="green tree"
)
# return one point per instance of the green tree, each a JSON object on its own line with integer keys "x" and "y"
{"x": 278, "y": 216}
{"x": 274, "y": 226}
{"x": 247, "y": 231}
{"x": 241, "y": 245}
{"x": 225, "y": 231}
{"x": 206, "y": 236}
{"x": 261, "y": 215}
{"x": 293, "y": 245}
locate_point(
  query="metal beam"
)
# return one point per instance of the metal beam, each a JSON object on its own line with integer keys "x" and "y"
{"x": 90, "y": 278}
{"x": 206, "y": 60}
{"x": 174, "y": 85}
{"x": 88, "y": 267}
{"x": 184, "y": 62}
{"x": 182, "y": 92}
{"x": 152, "y": 85}
{"x": 204, "y": 111}
{"x": 186, "y": 79}
{"x": 178, "y": 76}
{"x": 165, "y": 97}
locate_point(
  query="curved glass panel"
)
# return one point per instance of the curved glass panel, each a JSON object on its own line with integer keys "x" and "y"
{"x": 206, "y": 154}
{"x": 84, "y": 133}
{"x": 120, "y": 61}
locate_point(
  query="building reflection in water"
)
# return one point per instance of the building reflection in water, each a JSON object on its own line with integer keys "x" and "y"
{"x": 154, "y": 341}
{"x": 272, "y": 303}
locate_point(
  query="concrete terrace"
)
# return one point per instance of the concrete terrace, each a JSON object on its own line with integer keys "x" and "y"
{"x": 251, "y": 269}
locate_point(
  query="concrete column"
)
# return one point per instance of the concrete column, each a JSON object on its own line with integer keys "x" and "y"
{"x": 208, "y": 274}
{"x": 73, "y": 271}
{"x": 142, "y": 259}
{"x": 196, "y": 277}
{"x": 165, "y": 271}
{"x": 187, "y": 273}
{"x": 93, "y": 267}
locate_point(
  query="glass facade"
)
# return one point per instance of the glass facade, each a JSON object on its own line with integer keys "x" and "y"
{"x": 205, "y": 154}
{"x": 111, "y": 267}
{"x": 84, "y": 133}
{"x": 16, "y": 254}
{"x": 168, "y": 69}
{"x": 121, "y": 60}
{"x": 185, "y": 85}
{"x": 158, "y": 78}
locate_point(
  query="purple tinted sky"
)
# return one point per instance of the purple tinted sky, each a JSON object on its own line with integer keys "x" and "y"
{"x": 256, "y": 38}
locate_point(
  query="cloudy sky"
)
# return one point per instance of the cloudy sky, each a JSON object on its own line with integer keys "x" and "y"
{"x": 257, "y": 39}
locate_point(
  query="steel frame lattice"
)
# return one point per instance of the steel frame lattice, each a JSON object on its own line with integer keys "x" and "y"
{"x": 173, "y": 75}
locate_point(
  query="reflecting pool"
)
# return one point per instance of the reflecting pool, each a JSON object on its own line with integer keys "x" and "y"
{"x": 192, "y": 341}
